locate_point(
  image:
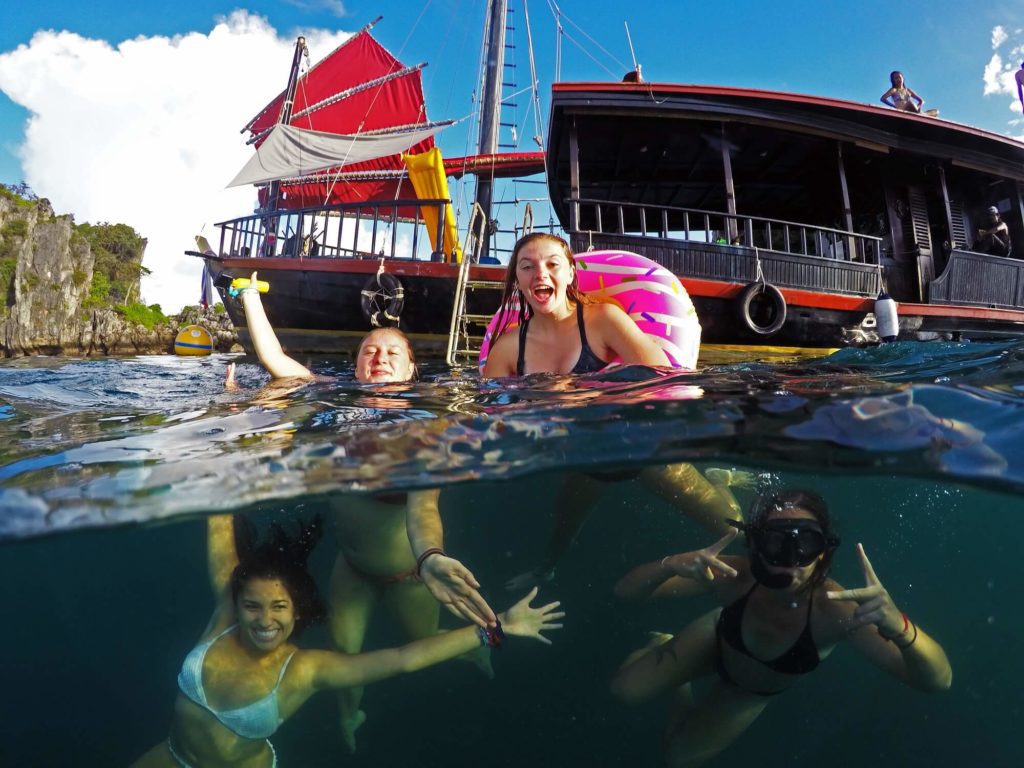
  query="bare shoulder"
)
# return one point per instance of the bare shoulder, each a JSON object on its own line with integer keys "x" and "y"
{"x": 603, "y": 310}
{"x": 307, "y": 665}
{"x": 502, "y": 356}
{"x": 833, "y": 610}
{"x": 606, "y": 315}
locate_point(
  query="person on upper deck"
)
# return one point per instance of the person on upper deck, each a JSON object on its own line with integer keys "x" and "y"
{"x": 375, "y": 561}
{"x": 901, "y": 97}
{"x": 780, "y": 616}
{"x": 996, "y": 239}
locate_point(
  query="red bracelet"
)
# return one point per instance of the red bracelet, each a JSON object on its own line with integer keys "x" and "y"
{"x": 902, "y": 632}
{"x": 423, "y": 558}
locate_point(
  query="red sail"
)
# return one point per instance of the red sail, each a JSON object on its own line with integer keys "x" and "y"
{"x": 364, "y": 88}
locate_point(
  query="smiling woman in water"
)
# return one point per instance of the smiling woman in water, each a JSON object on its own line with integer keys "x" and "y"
{"x": 245, "y": 676}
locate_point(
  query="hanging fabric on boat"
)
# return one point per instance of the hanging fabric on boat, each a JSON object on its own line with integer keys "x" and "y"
{"x": 359, "y": 88}
{"x": 289, "y": 151}
{"x": 426, "y": 171}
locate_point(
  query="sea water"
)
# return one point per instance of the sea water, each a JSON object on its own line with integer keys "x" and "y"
{"x": 108, "y": 467}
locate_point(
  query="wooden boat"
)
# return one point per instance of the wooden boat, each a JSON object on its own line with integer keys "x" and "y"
{"x": 785, "y": 216}
{"x": 354, "y": 228}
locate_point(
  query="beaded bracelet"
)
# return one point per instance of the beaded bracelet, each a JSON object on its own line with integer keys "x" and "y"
{"x": 492, "y": 636}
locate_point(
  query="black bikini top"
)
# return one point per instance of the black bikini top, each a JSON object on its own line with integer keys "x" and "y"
{"x": 802, "y": 656}
{"x": 588, "y": 362}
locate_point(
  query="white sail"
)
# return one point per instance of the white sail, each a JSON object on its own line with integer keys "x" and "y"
{"x": 289, "y": 151}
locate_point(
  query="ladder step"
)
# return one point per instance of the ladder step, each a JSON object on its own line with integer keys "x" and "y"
{"x": 495, "y": 284}
{"x": 482, "y": 319}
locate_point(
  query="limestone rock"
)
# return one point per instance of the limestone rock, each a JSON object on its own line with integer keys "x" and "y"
{"x": 46, "y": 270}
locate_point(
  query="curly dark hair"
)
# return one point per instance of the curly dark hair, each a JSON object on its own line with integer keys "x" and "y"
{"x": 281, "y": 555}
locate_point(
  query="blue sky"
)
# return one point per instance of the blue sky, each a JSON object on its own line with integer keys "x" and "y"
{"x": 822, "y": 48}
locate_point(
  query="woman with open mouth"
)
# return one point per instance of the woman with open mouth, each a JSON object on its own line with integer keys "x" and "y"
{"x": 560, "y": 330}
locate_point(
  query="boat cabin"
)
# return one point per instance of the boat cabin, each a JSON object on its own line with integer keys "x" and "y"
{"x": 726, "y": 186}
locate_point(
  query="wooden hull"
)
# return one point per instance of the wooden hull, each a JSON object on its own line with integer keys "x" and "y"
{"x": 316, "y": 306}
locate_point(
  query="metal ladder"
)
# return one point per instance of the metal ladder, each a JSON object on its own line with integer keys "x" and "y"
{"x": 466, "y": 333}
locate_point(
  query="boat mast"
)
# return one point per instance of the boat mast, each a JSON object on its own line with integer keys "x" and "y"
{"x": 286, "y": 111}
{"x": 490, "y": 104}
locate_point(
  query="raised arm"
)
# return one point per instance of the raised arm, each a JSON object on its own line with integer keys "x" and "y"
{"x": 221, "y": 556}
{"x": 268, "y": 348}
{"x": 449, "y": 581}
{"x": 221, "y": 560}
{"x": 337, "y": 670}
{"x": 888, "y": 638}
{"x": 689, "y": 573}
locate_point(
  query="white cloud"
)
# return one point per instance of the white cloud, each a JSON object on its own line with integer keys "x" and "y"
{"x": 998, "y": 37}
{"x": 147, "y": 133}
{"x": 993, "y": 76}
{"x": 999, "y": 77}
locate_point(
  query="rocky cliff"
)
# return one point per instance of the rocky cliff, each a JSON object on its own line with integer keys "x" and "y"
{"x": 48, "y": 292}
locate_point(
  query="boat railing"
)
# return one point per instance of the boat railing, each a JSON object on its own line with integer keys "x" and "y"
{"x": 717, "y": 227}
{"x": 392, "y": 229}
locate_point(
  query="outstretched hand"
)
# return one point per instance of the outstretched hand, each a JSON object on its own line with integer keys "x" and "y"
{"x": 525, "y": 621}
{"x": 704, "y": 564}
{"x": 454, "y": 586}
{"x": 874, "y": 605}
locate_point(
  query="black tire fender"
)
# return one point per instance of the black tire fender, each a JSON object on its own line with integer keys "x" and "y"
{"x": 762, "y": 308}
{"x": 382, "y": 299}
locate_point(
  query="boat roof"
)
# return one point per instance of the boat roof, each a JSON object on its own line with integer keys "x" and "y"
{"x": 609, "y": 115}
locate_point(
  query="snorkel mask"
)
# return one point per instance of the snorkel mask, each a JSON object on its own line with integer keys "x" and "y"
{"x": 784, "y": 542}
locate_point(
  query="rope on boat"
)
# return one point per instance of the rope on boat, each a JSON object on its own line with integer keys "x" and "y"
{"x": 759, "y": 274}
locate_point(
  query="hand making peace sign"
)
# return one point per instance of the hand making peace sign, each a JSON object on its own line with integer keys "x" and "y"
{"x": 874, "y": 605}
{"x": 703, "y": 564}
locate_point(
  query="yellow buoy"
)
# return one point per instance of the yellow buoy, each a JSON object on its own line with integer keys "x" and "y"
{"x": 193, "y": 340}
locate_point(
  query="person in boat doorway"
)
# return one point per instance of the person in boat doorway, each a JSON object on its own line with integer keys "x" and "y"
{"x": 899, "y": 96}
{"x": 996, "y": 239}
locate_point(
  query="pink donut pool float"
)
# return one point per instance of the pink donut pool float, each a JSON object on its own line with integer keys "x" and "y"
{"x": 643, "y": 289}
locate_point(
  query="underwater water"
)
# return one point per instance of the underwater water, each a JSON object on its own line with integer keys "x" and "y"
{"x": 108, "y": 468}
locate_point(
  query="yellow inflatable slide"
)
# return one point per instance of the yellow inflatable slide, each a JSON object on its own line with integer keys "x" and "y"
{"x": 426, "y": 171}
